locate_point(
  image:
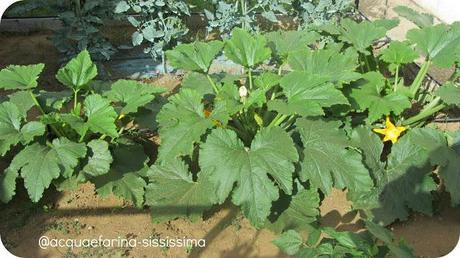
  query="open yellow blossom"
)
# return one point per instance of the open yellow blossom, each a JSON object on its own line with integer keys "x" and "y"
{"x": 391, "y": 132}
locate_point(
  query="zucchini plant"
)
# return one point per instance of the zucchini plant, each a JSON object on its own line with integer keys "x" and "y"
{"x": 375, "y": 241}
{"x": 73, "y": 136}
{"x": 300, "y": 121}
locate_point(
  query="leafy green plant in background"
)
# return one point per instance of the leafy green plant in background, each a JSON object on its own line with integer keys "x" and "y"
{"x": 321, "y": 12}
{"x": 82, "y": 29}
{"x": 159, "y": 23}
{"x": 226, "y": 15}
{"x": 82, "y": 22}
{"x": 78, "y": 135}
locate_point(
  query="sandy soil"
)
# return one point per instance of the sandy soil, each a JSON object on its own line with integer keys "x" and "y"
{"x": 81, "y": 215}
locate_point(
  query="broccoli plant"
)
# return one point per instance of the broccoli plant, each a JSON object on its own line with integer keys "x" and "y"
{"x": 80, "y": 134}
{"x": 82, "y": 22}
{"x": 226, "y": 15}
{"x": 159, "y": 23}
{"x": 320, "y": 12}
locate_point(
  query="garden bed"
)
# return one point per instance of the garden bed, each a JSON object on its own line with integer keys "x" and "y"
{"x": 258, "y": 117}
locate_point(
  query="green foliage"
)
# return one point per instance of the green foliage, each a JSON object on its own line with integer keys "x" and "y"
{"x": 369, "y": 94}
{"x": 82, "y": 22}
{"x": 40, "y": 164}
{"x": 224, "y": 16}
{"x": 275, "y": 140}
{"x": 196, "y": 56}
{"x": 245, "y": 49}
{"x": 248, "y": 167}
{"x": 420, "y": 19}
{"x": 173, "y": 193}
{"x": 329, "y": 163}
{"x": 158, "y": 23}
{"x": 439, "y": 43}
{"x": 69, "y": 143}
{"x": 343, "y": 244}
{"x": 78, "y": 72}
{"x": 20, "y": 77}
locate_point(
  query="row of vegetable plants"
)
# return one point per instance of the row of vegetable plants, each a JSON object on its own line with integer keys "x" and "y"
{"x": 305, "y": 116}
{"x": 161, "y": 25}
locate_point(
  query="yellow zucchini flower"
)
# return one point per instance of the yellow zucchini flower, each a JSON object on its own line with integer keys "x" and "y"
{"x": 391, "y": 132}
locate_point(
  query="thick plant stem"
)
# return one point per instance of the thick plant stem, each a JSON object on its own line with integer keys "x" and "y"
{"x": 250, "y": 78}
{"x": 213, "y": 84}
{"x": 163, "y": 63}
{"x": 75, "y": 100}
{"x": 424, "y": 114}
{"x": 277, "y": 120}
{"x": 77, "y": 8}
{"x": 37, "y": 104}
{"x": 396, "y": 78}
{"x": 419, "y": 78}
{"x": 244, "y": 12}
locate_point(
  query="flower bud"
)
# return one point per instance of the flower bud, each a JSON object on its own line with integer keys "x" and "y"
{"x": 243, "y": 92}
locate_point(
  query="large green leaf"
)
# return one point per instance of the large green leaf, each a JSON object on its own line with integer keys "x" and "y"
{"x": 283, "y": 43}
{"x": 20, "y": 77}
{"x": 289, "y": 242}
{"x": 420, "y": 19}
{"x": 449, "y": 93}
{"x": 398, "y": 53}
{"x": 336, "y": 67}
{"x": 228, "y": 161}
{"x": 40, "y": 164}
{"x": 361, "y": 35}
{"x": 439, "y": 43}
{"x": 307, "y": 95}
{"x": 326, "y": 160}
{"x": 196, "y": 56}
{"x": 198, "y": 82}
{"x": 123, "y": 179}
{"x": 450, "y": 170}
{"x": 8, "y": 185}
{"x": 99, "y": 162}
{"x": 12, "y": 131}
{"x": 386, "y": 236}
{"x": 263, "y": 83}
{"x": 303, "y": 211}
{"x": 132, "y": 95}
{"x": 100, "y": 115}
{"x": 54, "y": 101}
{"x": 182, "y": 123}
{"x": 78, "y": 72}
{"x": 245, "y": 49}
{"x": 368, "y": 95}
{"x": 23, "y": 101}
{"x": 404, "y": 183}
{"x": 172, "y": 192}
